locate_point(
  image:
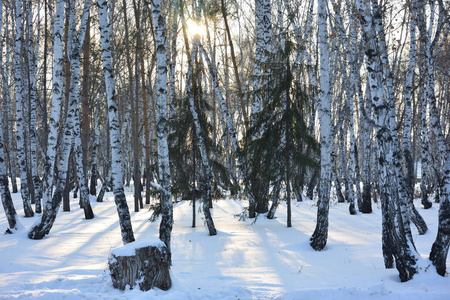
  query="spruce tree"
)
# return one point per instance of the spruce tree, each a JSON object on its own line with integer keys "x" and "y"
{"x": 283, "y": 150}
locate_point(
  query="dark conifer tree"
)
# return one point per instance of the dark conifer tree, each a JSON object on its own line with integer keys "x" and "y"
{"x": 283, "y": 150}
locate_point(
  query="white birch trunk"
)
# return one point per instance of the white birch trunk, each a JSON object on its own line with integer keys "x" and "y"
{"x": 257, "y": 102}
{"x": 8, "y": 205}
{"x": 33, "y": 101}
{"x": 397, "y": 240}
{"x": 165, "y": 228}
{"x": 74, "y": 102}
{"x": 350, "y": 52}
{"x": 424, "y": 40}
{"x": 440, "y": 248}
{"x": 436, "y": 138}
{"x": 406, "y": 143}
{"x": 39, "y": 231}
{"x": 20, "y": 126}
{"x": 8, "y": 109}
{"x": 407, "y": 99}
{"x": 114, "y": 130}
{"x": 172, "y": 67}
{"x": 261, "y": 68}
{"x": 408, "y": 210}
{"x": 320, "y": 235}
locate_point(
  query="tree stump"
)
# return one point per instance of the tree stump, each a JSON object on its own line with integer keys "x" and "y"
{"x": 144, "y": 263}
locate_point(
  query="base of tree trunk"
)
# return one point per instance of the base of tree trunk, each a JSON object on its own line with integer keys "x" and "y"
{"x": 145, "y": 264}
{"x": 426, "y": 203}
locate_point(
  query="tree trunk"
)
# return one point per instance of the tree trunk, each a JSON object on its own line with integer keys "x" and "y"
{"x": 147, "y": 175}
{"x": 320, "y": 235}
{"x": 8, "y": 110}
{"x": 85, "y": 120}
{"x": 8, "y": 205}
{"x": 116, "y": 154}
{"x": 67, "y": 186}
{"x": 20, "y": 128}
{"x": 366, "y": 202}
{"x": 397, "y": 239}
{"x": 424, "y": 41}
{"x": 258, "y": 201}
{"x": 32, "y": 65}
{"x": 205, "y": 185}
{"x": 165, "y": 228}
{"x": 49, "y": 208}
{"x": 75, "y": 96}
{"x": 94, "y": 171}
{"x": 275, "y": 201}
{"x": 235, "y": 67}
{"x": 148, "y": 267}
{"x": 441, "y": 245}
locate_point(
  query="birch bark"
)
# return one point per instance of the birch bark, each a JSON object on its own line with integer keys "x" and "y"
{"x": 320, "y": 235}
{"x": 8, "y": 205}
{"x": 424, "y": 51}
{"x": 397, "y": 239}
{"x": 74, "y": 100}
{"x": 159, "y": 24}
{"x": 20, "y": 125}
{"x": 8, "y": 112}
{"x": 114, "y": 130}
{"x": 407, "y": 99}
{"x": 440, "y": 248}
{"x": 436, "y": 136}
{"x": 350, "y": 52}
{"x": 261, "y": 74}
{"x": 50, "y": 211}
{"x": 5, "y": 194}
{"x": 39, "y": 231}
{"x": 32, "y": 65}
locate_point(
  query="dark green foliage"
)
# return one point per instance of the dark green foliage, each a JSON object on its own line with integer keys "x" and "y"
{"x": 282, "y": 146}
{"x": 182, "y": 143}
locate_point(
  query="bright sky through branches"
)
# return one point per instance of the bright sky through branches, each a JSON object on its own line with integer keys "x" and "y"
{"x": 195, "y": 28}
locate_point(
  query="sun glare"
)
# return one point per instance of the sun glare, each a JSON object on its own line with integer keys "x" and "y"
{"x": 194, "y": 28}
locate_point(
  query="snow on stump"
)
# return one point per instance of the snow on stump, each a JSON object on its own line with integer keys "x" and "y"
{"x": 144, "y": 263}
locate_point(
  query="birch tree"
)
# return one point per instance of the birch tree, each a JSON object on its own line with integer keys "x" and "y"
{"x": 320, "y": 235}
{"x": 8, "y": 109}
{"x": 40, "y": 230}
{"x": 436, "y": 135}
{"x": 7, "y": 202}
{"x": 409, "y": 164}
{"x": 159, "y": 24}
{"x": 8, "y": 205}
{"x": 258, "y": 201}
{"x": 441, "y": 245}
{"x": 20, "y": 125}
{"x": 397, "y": 240}
{"x": 51, "y": 209}
{"x": 32, "y": 66}
{"x": 114, "y": 130}
{"x": 350, "y": 52}
{"x": 74, "y": 100}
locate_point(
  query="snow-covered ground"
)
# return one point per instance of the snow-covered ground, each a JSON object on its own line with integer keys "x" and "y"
{"x": 264, "y": 260}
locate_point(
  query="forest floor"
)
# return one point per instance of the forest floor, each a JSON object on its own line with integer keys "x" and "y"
{"x": 246, "y": 260}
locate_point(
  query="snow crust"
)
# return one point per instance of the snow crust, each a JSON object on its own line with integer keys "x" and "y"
{"x": 130, "y": 249}
{"x": 246, "y": 260}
